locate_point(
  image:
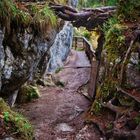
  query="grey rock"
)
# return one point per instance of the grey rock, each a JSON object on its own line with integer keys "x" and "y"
{"x": 61, "y": 48}
{"x": 24, "y": 56}
{"x": 63, "y": 127}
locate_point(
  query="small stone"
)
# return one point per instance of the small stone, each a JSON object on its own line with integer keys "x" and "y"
{"x": 63, "y": 127}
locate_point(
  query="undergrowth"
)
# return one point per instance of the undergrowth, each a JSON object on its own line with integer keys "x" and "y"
{"x": 15, "y": 123}
{"x": 129, "y": 10}
{"x": 24, "y": 16}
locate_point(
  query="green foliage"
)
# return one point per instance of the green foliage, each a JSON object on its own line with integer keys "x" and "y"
{"x": 129, "y": 10}
{"x": 6, "y": 116}
{"x": 108, "y": 88}
{"x": 9, "y": 13}
{"x": 96, "y": 107}
{"x": 115, "y": 42}
{"x": 108, "y": 25}
{"x": 47, "y": 12}
{"x": 21, "y": 16}
{"x": 87, "y": 34}
{"x": 16, "y": 123}
{"x": 47, "y": 15}
{"x": 82, "y": 32}
{"x": 32, "y": 92}
{"x": 111, "y": 2}
{"x": 97, "y": 3}
{"x": 7, "y": 8}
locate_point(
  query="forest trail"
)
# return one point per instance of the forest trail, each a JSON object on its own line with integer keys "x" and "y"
{"x": 59, "y": 113}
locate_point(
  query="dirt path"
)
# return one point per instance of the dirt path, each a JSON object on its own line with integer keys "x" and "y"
{"x": 59, "y": 113}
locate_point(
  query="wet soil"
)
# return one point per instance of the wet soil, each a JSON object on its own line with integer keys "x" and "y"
{"x": 59, "y": 114}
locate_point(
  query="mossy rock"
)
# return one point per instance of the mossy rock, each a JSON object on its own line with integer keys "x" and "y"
{"x": 115, "y": 42}
{"x": 28, "y": 93}
{"x": 15, "y": 123}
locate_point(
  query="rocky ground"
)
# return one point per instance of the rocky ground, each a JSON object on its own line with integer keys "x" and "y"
{"x": 59, "y": 114}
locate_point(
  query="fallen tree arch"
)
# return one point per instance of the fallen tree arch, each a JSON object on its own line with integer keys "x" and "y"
{"x": 94, "y": 18}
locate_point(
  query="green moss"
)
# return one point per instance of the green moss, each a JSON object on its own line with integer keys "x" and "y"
{"x": 108, "y": 88}
{"x": 96, "y": 107}
{"x": 28, "y": 93}
{"x": 16, "y": 123}
{"x": 115, "y": 42}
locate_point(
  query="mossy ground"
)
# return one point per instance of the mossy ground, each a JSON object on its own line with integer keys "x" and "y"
{"x": 14, "y": 123}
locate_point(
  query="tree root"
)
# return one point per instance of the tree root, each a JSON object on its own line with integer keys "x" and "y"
{"x": 134, "y": 96}
{"x": 118, "y": 110}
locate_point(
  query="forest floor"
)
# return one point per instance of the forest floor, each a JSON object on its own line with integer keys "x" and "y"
{"x": 59, "y": 114}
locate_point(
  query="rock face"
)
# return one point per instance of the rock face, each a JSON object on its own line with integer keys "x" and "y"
{"x": 1, "y": 56}
{"x": 20, "y": 56}
{"x": 73, "y": 3}
{"x": 61, "y": 47}
{"x": 24, "y": 56}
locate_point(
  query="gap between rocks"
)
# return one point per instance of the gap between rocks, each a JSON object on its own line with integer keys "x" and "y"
{"x": 59, "y": 114}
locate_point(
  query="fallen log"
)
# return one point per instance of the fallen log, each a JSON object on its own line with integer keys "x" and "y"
{"x": 89, "y": 18}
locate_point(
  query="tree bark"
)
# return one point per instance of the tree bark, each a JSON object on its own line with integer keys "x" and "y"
{"x": 89, "y": 18}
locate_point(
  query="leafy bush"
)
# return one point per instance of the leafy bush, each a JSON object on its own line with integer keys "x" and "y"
{"x": 115, "y": 42}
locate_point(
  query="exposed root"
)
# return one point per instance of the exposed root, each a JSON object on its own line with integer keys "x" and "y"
{"x": 134, "y": 95}
{"x": 118, "y": 110}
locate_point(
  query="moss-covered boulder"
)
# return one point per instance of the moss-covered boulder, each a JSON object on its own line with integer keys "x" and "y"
{"x": 28, "y": 93}
{"x": 14, "y": 123}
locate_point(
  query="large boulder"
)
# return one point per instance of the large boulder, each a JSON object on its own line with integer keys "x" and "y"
{"x": 20, "y": 57}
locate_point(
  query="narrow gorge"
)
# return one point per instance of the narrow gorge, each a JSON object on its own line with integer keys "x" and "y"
{"x": 69, "y": 70}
